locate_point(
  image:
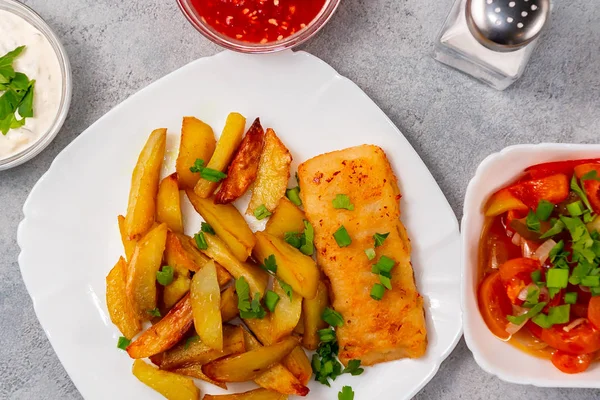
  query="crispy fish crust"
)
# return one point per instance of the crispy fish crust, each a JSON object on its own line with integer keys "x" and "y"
{"x": 373, "y": 331}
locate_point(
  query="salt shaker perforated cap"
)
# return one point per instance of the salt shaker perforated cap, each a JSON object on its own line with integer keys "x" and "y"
{"x": 506, "y": 25}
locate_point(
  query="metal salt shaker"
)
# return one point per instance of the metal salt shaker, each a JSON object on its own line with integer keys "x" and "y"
{"x": 492, "y": 40}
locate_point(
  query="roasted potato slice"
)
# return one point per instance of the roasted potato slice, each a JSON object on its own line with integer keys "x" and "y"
{"x": 197, "y": 142}
{"x": 256, "y": 394}
{"x": 170, "y": 385}
{"x": 128, "y": 245}
{"x": 311, "y": 311}
{"x": 120, "y": 310}
{"x": 144, "y": 186}
{"x": 277, "y": 378}
{"x": 261, "y": 328}
{"x": 229, "y": 304}
{"x": 141, "y": 274}
{"x": 299, "y": 365}
{"x": 244, "y": 167}
{"x": 183, "y": 255}
{"x": 293, "y": 267}
{"x": 228, "y": 142}
{"x": 206, "y": 306}
{"x": 256, "y": 277}
{"x": 195, "y": 371}
{"x": 247, "y": 366}
{"x": 174, "y": 291}
{"x": 287, "y": 313}
{"x": 228, "y": 223}
{"x": 273, "y": 174}
{"x": 286, "y": 218}
{"x": 168, "y": 207}
{"x": 165, "y": 333}
{"x": 197, "y": 352}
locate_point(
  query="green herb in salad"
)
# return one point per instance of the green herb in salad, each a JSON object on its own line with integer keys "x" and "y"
{"x": 16, "y": 103}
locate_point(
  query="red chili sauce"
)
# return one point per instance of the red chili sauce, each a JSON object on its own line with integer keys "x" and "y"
{"x": 258, "y": 21}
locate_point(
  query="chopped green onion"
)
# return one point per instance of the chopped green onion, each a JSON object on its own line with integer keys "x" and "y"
{"x": 293, "y": 195}
{"x": 575, "y": 209}
{"x": 377, "y": 291}
{"x": 271, "y": 300}
{"x": 198, "y": 166}
{"x": 533, "y": 311}
{"x": 201, "y": 241}
{"x": 385, "y": 264}
{"x": 326, "y": 335}
{"x": 342, "y": 201}
{"x": 155, "y": 312}
{"x": 342, "y": 237}
{"x": 595, "y": 291}
{"x": 380, "y": 238}
{"x": 123, "y": 343}
{"x": 212, "y": 175}
{"x": 205, "y": 227}
{"x": 261, "y": 212}
{"x": 588, "y": 217}
{"x": 332, "y": 317}
{"x": 536, "y": 276}
{"x": 542, "y": 321}
{"x": 591, "y": 281}
{"x": 309, "y": 236}
{"x": 533, "y": 296}
{"x": 370, "y": 253}
{"x": 165, "y": 276}
{"x": 386, "y": 282}
{"x": 571, "y": 297}
{"x": 557, "y": 278}
{"x": 533, "y": 222}
{"x": 559, "y": 314}
{"x": 553, "y": 292}
{"x": 544, "y": 210}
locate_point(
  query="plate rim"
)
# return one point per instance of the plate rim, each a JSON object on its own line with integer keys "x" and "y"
{"x": 454, "y": 234}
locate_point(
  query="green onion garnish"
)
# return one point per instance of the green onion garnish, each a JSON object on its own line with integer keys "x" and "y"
{"x": 201, "y": 241}
{"x": 385, "y": 264}
{"x": 123, "y": 343}
{"x": 536, "y": 276}
{"x": 342, "y": 237}
{"x": 326, "y": 335}
{"x": 261, "y": 212}
{"x": 165, "y": 276}
{"x": 559, "y": 314}
{"x": 591, "y": 281}
{"x": 377, "y": 291}
{"x": 533, "y": 311}
{"x": 571, "y": 297}
{"x": 544, "y": 210}
{"x": 533, "y": 222}
{"x": 557, "y": 278}
{"x": 271, "y": 300}
{"x": 309, "y": 236}
{"x": 205, "y": 227}
{"x": 386, "y": 282}
{"x": 293, "y": 195}
{"x": 332, "y": 317}
{"x": 575, "y": 209}
{"x": 370, "y": 253}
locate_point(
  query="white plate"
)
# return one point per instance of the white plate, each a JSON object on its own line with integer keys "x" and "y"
{"x": 69, "y": 237}
{"x": 493, "y": 355}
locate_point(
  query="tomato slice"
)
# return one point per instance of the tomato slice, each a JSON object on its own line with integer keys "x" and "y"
{"x": 553, "y": 188}
{"x": 569, "y": 363}
{"x": 494, "y": 305}
{"x": 593, "y": 313}
{"x": 591, "y": 187}
{"x": 516, "y": 274}
{"x": 557, "y": 167}
{"x": 582, "y": 339}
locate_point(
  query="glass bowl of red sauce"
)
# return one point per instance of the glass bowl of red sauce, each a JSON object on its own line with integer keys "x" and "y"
{"x": 258, "y": 26}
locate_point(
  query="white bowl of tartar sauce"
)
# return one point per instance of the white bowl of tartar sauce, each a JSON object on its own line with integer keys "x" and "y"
{"x": 44, "y": 60}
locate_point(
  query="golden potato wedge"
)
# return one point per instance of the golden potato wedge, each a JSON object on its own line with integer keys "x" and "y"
{"x": 228, "y": 142}
{"x": 229, "y": 304}
{"x": 144, "y": 186}
{"x": 261, "y": 328}
{"x": 165, "y": 333}
{"x": 298, "y": 364}
{"x": 206, "y": 306}
{"x": 141, "y": 274}
{"x": 128, "y": 245}
{"x": 247, "y": 366}
{"x": 277, "y": 378}
{"x": 170, "y": 385}
{"x": 197, "y": 142}
{"x": 293, "y": 267}
{"x": 256, "y": 394}
{"x": 183, "y": 255}
{"x": 197, "y": 352}
{"x": 195, "y": 371}
{"x": 256, "y": 277}
{"x": 168, "y": 207}
{"x": 120, "y": 310}
{"x": 228, "y": 223}
{"x": 287, "y": 313}
{"x": 244, "y": 167}
{"x": 299, "y": 329}
{"x": 273, "y": 174}
{"x": 174, "y": 291}
{"x": 287, "y": 217}
{"x": 312, "y": 309}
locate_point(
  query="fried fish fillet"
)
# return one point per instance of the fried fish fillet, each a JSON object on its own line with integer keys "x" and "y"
{"x": 373, "y": 331}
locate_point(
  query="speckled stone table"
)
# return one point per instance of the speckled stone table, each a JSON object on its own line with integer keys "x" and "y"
{"x": 117, "y": 47}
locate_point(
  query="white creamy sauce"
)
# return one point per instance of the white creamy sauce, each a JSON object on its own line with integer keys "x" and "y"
{"x": 38, "y": 61}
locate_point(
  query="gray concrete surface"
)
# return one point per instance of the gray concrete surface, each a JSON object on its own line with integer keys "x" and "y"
{"x": 118, "y": 47}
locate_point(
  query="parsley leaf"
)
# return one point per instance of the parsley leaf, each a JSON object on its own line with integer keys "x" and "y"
{"x": 353, "y": 368}
{"x": 533, "y": 222}
{"x": 342, "y": 201}
{"x": 155, "y": 312}
{"x": 123, "y": 343}
{"x": 205, "y": 227}
{"x": 198, "y": 166}
{"x": 249, "y": 308}
{"x": 580, "y": 192}
{"x": 294, "y": 239}
{"x": 380, "y": 238}
{"x": 346, "y": 393}
{"x": 309, "y": 236}
{"x": 270, "y": 264}
{"x": 18, "y": 93}
{"x": 286, "y": 288}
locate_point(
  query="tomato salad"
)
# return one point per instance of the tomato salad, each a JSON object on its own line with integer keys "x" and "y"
{"x": 540, "y": 263}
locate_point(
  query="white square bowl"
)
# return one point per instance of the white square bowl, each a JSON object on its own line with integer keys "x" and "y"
{"x": 492, "y": 354}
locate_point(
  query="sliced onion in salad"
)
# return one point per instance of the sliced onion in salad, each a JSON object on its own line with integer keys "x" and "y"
{"x": 543, "y": 251}
{"x": 574, "y": 324}
{"x": 516, "y": 239}
{"x": 584, "y": 288}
